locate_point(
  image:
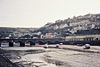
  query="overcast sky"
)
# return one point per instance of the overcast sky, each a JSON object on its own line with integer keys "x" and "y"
{"x": 36, "y": 13}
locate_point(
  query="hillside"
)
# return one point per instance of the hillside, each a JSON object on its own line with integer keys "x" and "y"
{"x": 15, "y": 32}
{"x": 80, "y": 25}
{"x": 74, "y": 25}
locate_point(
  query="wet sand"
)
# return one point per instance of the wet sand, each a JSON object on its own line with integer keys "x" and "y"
{"x": 51, "y": 57}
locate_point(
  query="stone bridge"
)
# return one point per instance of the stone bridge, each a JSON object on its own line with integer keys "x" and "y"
{"x": 69, "y": 40}
{"x": 31, "y": 41}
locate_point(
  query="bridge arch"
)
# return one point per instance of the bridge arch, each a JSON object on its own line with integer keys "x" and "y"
{"x": 6, "y": 43}
{"x": 31, "y": 43}
{"x": 40, "y": 42}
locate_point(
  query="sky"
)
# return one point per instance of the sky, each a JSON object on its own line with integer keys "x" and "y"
{"x": 36, "y": 13}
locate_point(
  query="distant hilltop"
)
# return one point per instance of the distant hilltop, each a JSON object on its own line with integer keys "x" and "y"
{"x": 75, "y": 25}
{"x": 11, "y": 29}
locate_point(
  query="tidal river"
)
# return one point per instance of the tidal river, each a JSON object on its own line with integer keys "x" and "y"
{"x": 51, "y": 57}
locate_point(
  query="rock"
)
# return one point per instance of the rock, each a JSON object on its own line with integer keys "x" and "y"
{"x": 87, "y": 46}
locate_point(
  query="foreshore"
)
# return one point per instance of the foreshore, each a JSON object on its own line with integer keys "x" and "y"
{"x": 64, "y": 56}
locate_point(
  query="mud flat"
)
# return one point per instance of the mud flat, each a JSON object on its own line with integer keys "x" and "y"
{"x": 70, "y": 58}
{"x": 51, "y": 57}
{"x": 4, "y": 61}
{"x": 27, "y": 56}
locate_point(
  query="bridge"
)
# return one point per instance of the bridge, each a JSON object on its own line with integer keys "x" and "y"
{"x": 31, "y": 41}
{"x": 68, "y": 40}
